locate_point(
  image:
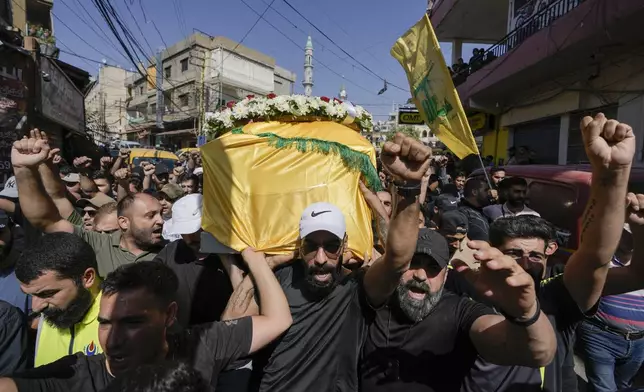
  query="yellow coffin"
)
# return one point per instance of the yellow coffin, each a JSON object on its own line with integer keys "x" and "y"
{"x": 258, "y": 179}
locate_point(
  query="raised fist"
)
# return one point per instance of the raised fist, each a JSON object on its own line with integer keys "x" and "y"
{"x": 122, "y": 174}
{"x": 405, "y": 158}
{"x": 82, "y": 162}
{"x": 29, "y": 152}
{"x": 57, "y": 159}
{"x": 635, "y": 212}
{"x": 106, "y": 162}
{"x": 124, "y": 153}
{"x": 148, "y": 169}
{"x": 609, "y": 144}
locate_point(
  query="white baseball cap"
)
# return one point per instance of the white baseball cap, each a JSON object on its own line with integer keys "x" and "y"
{"x": 10, "y": 188}
{"x": 322, "y": 217}
{"x": 72, "y": 177}
{"x": 186, "y": 215}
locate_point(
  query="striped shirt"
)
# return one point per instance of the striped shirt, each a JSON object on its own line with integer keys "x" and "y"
{"x": 624, "y": 312}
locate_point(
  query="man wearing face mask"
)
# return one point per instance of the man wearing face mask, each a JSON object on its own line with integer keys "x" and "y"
{"x": 514, "y": 190}
{"x": 60, "y": 273}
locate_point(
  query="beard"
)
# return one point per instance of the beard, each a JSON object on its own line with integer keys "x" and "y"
{"x": 318, "y": 288}
{"x": 74, "y": 313}
{"x": 516, "y": 202}
{"x": 143, "y": 237}
{"x": 415, "y": 309}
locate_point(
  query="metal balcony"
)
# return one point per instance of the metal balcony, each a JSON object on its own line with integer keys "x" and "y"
{"x": 516, "y": 37}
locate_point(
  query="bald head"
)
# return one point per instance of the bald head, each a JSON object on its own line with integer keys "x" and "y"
{"x": 136, "y": 200}
{"x": 139, "y": 218}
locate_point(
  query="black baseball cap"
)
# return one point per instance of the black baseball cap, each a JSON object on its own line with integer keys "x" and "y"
{"x": 432, "y": 244}
{"x": 453, "y": 223}
{"x": 446, "y": 202}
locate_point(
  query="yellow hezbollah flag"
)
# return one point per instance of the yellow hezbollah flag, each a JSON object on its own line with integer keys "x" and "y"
{"x": 432, "y": 88}
{"x": 259, "y": 179}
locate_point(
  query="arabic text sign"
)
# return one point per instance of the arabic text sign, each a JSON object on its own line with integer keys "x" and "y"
{"x": 61, "y": 100}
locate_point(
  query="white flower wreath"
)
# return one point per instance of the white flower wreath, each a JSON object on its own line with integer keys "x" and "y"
{"x": 273, "y": 107}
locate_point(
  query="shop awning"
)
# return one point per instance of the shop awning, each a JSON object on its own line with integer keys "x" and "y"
{"x": 176, "y": 132}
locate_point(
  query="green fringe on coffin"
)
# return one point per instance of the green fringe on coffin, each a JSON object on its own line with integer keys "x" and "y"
{"x": 237, "y": 131}
{"x": 353, "y": 160}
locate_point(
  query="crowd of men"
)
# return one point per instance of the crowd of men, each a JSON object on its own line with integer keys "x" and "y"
{"x": 104, "y": 287}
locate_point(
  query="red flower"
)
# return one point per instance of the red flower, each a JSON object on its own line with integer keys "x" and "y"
{"x": 230, "y": 104}
{"x": 325, "y": 99}
{"x": 250, "y": 96}
{"x": 337, "y": 100}
{"x": 271, "y": 96}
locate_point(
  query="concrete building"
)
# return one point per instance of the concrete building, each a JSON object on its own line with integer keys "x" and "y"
{"x": 552, "y": 63}
{"x": 105, "y": 114}
{"x": 20, "y": 13}
{"x": 200, "y": 74}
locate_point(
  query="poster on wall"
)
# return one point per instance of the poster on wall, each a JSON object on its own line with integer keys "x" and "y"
{"x": 13, "y": 107}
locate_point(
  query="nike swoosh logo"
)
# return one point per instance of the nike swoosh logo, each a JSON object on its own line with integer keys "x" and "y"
{"x": 314, "y": 214}
{"x": 453, "y": 202}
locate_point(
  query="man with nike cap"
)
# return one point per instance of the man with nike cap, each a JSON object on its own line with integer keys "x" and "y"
{"x": 329, "y": 308}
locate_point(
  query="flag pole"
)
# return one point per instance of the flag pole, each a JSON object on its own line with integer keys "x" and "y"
{"x": 487, "y": 177}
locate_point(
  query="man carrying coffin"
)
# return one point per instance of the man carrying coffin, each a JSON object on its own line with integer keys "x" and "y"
{"x": 320, "y": 351}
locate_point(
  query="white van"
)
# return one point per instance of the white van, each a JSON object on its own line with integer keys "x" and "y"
{"x": 128, "y": 144}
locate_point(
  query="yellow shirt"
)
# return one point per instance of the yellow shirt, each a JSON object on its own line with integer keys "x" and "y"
{"x": 53, "y": 343}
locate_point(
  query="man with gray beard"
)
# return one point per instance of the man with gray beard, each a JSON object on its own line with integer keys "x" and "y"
{"x": 425, "y": 338}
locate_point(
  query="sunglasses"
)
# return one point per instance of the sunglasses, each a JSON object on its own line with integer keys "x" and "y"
{"x": 91, "y": 213}
{"x": 331, "y": 248}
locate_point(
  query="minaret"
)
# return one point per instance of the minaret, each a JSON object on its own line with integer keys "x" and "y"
{"x": 308, "y": 68}
{"x": 343, "y": 93}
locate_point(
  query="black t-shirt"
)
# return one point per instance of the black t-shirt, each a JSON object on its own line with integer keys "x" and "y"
{"x": 432, "y": 355}
{"x": 204, "y": 285}
{"x": 478, "y": 224}
{"x": 564, "y": 315}
{"x": 209, "y": 348}
{"x": 320, "y": 351}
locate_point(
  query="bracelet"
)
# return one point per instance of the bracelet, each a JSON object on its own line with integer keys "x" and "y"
{"x": 408, "y": 189}
{"x": 524, "y": 323}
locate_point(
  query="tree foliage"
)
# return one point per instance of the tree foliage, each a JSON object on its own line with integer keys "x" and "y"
{"x": 407, "y": 130}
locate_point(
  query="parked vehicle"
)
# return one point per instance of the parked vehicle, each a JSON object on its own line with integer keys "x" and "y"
{"x": 560, "y": 194}
{"x": 138, "y": 155}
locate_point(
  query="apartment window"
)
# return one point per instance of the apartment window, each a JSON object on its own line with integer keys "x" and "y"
{"x": 153, "y": 109}
{"x": 184, "y": 100}
{"x": 140, "y": 90}
{"x": 168, "y": 72}
{"x": 184, "y": 65}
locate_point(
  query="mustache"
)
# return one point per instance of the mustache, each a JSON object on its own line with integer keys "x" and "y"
{"x": 413, "y": 284}
{"x": 321, "y": 269}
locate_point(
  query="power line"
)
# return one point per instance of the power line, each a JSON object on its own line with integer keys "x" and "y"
{"x": 298, "y": 46}
{"x": 73, "y": 32}
{"x": 343, "y": 51}
{"x": 261, "y": 16}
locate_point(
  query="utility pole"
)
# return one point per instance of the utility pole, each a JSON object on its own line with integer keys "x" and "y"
{"x": 198, "y": 59}
{"x": 159, "y": 86}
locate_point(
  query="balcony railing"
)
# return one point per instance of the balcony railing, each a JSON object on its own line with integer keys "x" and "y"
{"x": 516, "y": 37}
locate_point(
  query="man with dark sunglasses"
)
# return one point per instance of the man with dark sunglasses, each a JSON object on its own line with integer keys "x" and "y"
{"x": 329, "y": 307}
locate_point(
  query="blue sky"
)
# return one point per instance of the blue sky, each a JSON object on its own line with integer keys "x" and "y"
{"x": 365, "y": 30}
